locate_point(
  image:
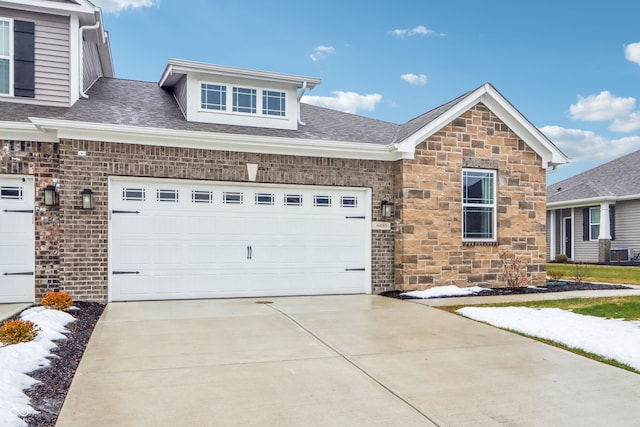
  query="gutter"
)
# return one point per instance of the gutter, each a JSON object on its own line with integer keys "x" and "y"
{"x": 302, "y": 90}
{"x": 591, "y": 201}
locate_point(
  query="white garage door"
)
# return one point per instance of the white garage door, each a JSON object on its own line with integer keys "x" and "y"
{"x": 17, "y": 243}
{"x": 175, "y": 239}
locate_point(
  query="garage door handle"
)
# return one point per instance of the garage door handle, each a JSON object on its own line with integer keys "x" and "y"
{"x": 249, "y": 252}
{"x": 18, "y": 211}
{"x": 356, "y": 217}
{"x": 125, "y": 212}
{"x": 354, "y": 269}
{"x": 24, "y": 273}
{"x": 125, "y": 272}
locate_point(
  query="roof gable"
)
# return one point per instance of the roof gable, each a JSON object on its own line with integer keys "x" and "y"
{"x": 417, "y": 130}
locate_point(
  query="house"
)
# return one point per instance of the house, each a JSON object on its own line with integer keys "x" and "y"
{"x": 595, "y": 216}
{"x": 218, "y": 181}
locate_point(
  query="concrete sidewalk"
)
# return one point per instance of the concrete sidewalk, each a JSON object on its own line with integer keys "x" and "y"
{"x": 358, "y": 360}
{"x": 10, "y": 310}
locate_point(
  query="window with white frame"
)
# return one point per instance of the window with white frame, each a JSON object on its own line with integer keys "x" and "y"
{"x": 273, "y": 103}
{"x": 244, "y": 100}
{"x": 594, "y": 223}
{"x": 479, "y": 208}
{"x": 213, "y": 97}
{"x": 6, "y": 46}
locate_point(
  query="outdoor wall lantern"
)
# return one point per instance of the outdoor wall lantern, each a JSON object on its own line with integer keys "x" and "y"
{"x": 50, "y": 195}
{"x": 87, "y": 198}
{"x": 385, "y": 207}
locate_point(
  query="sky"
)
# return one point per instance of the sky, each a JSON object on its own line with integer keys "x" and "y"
{"x": 572, "y": 69}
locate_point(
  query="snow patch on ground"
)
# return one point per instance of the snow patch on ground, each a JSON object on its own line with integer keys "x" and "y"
{"x": 444, "y": 291}
{"x": 17, "y": 360}
{"x": 611, "y": 338}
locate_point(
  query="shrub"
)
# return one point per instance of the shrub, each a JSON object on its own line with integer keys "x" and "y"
{"x": 562, "y": 258}
{"x": 17, "y": 331}
{"x": 58, "y": 301}
{"x": 514, "y": 270}
{"x": 556, "y": 275}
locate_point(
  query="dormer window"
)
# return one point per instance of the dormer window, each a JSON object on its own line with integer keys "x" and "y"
{"x": 273, "y": 103}
{"x": 6, "y": 45}
{"x": 244, "y": 100}
{"x": 214, "y": 97}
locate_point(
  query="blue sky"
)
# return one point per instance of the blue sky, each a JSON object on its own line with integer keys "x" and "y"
{"x": 572, "y": 69}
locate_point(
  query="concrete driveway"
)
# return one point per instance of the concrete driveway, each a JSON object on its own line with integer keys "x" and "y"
{"x": 356, "y": 360}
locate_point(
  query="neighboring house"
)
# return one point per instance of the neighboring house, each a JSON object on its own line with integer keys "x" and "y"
{"x": 595, "y": 216}
{"x": 219, "y": 182}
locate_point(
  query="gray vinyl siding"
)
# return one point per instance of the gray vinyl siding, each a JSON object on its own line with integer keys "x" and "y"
{"x": 52, "y": 50}
{"x": 91, "y": 64}
{"x": 585, "y": 250}
{"x": 180, "y": 93}
{"x": 627, "y": 230}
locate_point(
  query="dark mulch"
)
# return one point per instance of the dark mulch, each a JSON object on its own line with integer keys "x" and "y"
{"x": 48, "y": 395}
{"x": 565, "y": 287}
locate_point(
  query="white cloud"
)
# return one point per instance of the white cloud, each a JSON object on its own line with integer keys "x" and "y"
{"x": 587, "y": 146}
{"x": 628, "y": 124}
{"x": 632, "y": 52}
{"x": 604, "y": 106}
{"x": 320, "y": 52}
{"x": 349, "y": 102}
{"x": 420, "y": 30}
{"x": 415, "y": 79}
{"x": 113, "y": 6}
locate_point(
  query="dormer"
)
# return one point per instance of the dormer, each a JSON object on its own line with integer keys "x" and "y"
{"x": 51, "y": 51}
{"x": 218, "y": 94}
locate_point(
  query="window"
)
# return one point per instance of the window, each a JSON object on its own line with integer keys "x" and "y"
{"x": 213, "y": 97}
{"x": 594, "y": 223}
{"x": 265, "y": 199}
{"x": 244, "y": 100}
{"x": 478, "y": 205}
{"x": 293, "y": 199}
{"x": 348, "y": 202}
{"x": 6, "y": 46}
{"x": 232, "y": 198}
{"x": 201, "y": 196}
{"x": 273, "y": 103}
{"x": 133, "y": 194}
{"x": 167, "y": 196}
{"x": 324, "y": 201}
{"x": 14, "y": 193}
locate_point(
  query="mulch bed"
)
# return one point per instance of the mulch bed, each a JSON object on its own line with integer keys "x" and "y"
{"x": 48, "y": 396}
{"x": 567, "y": 286}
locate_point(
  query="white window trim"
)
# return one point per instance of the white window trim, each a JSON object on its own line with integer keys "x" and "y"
{"x": 591, "y": 224}
{"x": 10, "y": 57}
{"x": 494, "y": 206}
{"x": 229, "y": 100}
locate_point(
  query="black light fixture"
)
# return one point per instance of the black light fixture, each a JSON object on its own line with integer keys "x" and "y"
{"x": 50, "y": 195}
{"x": 385, "y": 208}
{"x": 87, "y": 198}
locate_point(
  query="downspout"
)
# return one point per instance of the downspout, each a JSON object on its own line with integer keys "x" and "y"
{"x": 81, "y": 51}
{"x": 302, "y": 90}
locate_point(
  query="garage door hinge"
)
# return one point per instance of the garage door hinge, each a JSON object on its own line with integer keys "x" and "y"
{"x": 125, "y": 212}
{"x": 354, "y": 269}
{"x": 24, "y": 273}
{"x": 356, "y": 217}
{"x": 125, "y": 272}
{"x": 18, "y": 211}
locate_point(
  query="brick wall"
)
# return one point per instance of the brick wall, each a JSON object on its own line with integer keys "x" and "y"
{"x": 40, "y": 160}
{"x": 429, "y": 248}
{"x": 84, "y": 241}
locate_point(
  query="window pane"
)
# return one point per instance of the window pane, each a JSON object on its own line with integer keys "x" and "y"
{"x": 273, "y": 103}
{"x": 293, "y": 199}
{"x": 213, "y": 97}
{"x": 11, "y": 193}
{"x": 595, "y": 216}
{"x": 4, "y": 75}
{"x": 5, "y": 39}
{"x": 244, "y": 100}
{"x": 478, "y": 222}
{"x": 595, "y": 231}
{"x": 478, "y": 187}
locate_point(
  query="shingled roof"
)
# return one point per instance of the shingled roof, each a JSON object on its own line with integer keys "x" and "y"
{"x": 618, "y": 178}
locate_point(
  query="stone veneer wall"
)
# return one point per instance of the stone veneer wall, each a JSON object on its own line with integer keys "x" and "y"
{"x": 40, "y": 160}
{"x": 84, "y": 241}
{"x": 429, "y": 248}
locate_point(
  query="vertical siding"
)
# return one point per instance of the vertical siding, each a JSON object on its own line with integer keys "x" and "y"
{"x": 627, "y": 225}
{"x": 90, "y": 64}
{"x": 549, "y": 254}
{"x": 52, "y": 56}
{"x": 180, "y": 93}
{"x": 585, "y": 250}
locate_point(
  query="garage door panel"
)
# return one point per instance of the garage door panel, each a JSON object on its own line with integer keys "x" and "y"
{"x": 200, "y": 250}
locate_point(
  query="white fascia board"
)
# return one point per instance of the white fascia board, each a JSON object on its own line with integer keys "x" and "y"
{"x": 179, "y": 67}
{"x": 21, "y": 131}
{"x": 216, "y": 141}
{"x": 493, "y": 100}
{"x": 577, "y": 203}
{"x": 51, "y": 7}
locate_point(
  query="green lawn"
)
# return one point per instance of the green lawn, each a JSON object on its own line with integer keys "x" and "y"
{"x": 598, "y": 273}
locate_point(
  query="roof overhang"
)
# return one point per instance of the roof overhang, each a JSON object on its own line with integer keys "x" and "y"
{"x": 498, "y": 104}
{"x": 176, "y": 68}
{"x": 67, "y": 129}
{"x": 578, "y": 203}
{"x": 85, "y": 10}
